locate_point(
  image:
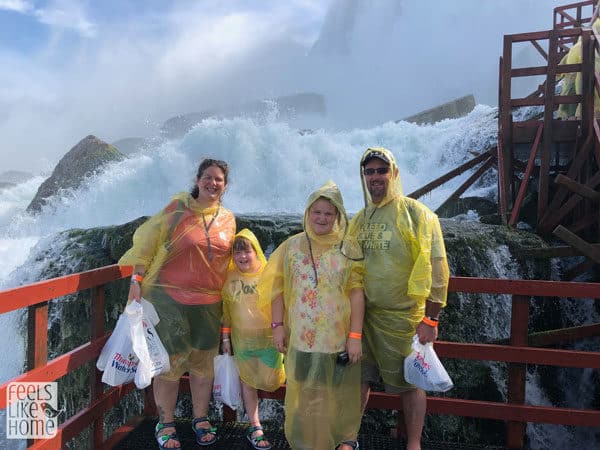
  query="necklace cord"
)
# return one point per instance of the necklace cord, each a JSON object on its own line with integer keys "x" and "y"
{"x": 206, "y": 230}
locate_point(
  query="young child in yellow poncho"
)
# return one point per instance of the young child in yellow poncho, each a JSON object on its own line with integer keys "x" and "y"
{"x": 246, "y": 328}
{"x": 314, "y": 282}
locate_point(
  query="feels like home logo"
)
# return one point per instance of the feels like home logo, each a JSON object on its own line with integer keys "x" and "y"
{"x": 32, "y": 411}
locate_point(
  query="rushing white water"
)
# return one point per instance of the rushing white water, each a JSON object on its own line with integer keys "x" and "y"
{"x": 273, "y": 169}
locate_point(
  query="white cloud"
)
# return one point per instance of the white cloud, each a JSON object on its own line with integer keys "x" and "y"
{"x": 60, "y": 14}
{"x": 66, "y": 14}
{"x": 22, "y": 6}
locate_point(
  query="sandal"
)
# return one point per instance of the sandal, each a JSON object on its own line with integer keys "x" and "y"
{"x": 254, "y": 441}
{"x": 353, "y": 444}
{"x": 162, "y": 439}
{"x": 201, "y": 432}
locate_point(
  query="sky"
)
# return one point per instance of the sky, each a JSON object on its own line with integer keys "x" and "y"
{"x": 119, "y": 69}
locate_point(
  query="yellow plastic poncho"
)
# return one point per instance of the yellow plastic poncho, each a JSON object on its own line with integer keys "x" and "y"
{"x": 405, "y": 265}
{"x": 322, "y": 400}
{"x": 572, "y": 82}
{"x": 259, "y": 363}
{"x": 186, "y": 265}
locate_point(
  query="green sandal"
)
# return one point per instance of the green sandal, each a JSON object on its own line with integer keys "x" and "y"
{"x": 201, "y": 432}
{"x": 254, "y": 441}
{"x": 162, "y": 439}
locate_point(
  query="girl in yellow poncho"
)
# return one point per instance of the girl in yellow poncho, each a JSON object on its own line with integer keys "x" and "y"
{"x": 259, "y": 363}
{"x": 314, "y": 283}
{"x": 180, "y": 257}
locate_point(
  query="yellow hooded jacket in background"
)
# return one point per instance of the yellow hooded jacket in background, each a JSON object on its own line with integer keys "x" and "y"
{"x": 258, "y": 361}
{"x": 572, "y": 82}
{"x": 322, "y": 401}
{"x": 405, "y": 265}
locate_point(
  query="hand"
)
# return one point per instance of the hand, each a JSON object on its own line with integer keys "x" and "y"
{"x": 226, "y": 347}
{"x": 426, "y": 333}
{"x": 279, "y": 339}
{"x": 135, "y": 292}
{"x": 354, "y": 349}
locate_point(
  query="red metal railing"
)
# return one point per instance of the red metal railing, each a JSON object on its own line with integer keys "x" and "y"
{"x": 518, "y": 353}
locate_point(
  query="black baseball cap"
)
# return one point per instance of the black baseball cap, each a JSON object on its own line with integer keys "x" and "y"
{"x": 375, "y": 154}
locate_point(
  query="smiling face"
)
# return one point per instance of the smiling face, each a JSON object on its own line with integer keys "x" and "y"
{"x": 321, "y": 216}
{"x": 377, "y": 183}
{"x": 211, "y": 185}
{"x": 245, "y": 259}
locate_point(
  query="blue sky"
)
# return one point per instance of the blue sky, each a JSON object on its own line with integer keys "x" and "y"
{"x": 120, "y": 68}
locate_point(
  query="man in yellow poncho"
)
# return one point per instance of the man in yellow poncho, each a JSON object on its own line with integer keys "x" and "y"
{"x": 313, "y": 282}
{"x": 406, "y": 281}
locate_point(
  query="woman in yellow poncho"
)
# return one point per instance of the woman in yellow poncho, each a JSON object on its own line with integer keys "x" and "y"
{"x": 180, "y": 259}
{"x": 259, "y": 363}
{"x": 314, "y": 283}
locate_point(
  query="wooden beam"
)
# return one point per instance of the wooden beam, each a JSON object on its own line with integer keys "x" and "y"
{"x": 505, "y": 139}
{"x": 467, "y": 184}
{"x": 564, "y": 131}
{"x": 580, "y": 244}
{"x": 528, "y": 71}
{"x": 546, "y": 222}
{"x": 539, "y": 48}
{"x": 563, "y": 335}
{"x": 557, "y": 216}
{"x": 525, "y": 181}
{"x": 577, "y": 188}
{"x": 559, "y": 251}
{"x": 546, "y": 150}
{"x": 453, "y": 173}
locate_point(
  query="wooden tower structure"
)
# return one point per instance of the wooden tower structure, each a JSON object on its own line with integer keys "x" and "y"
{"x": 548, "y": 152}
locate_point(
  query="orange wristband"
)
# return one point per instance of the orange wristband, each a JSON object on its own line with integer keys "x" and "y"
{"x": 431, "y": 323}
{"x": 353, "y": 335}
{"x": 225, "y": 330}
{"x": 136, "y": 278}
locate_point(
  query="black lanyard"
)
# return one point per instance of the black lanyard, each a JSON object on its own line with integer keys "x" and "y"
{"x": 206, "y": 229}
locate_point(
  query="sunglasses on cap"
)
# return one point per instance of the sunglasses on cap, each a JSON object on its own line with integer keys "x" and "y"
{"x": 378, "y": 170}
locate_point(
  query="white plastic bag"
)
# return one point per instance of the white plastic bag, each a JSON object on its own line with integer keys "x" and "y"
{"x": 147, "y": 346}
{"x": 226, "y": 386}
{"x": 424, "y": 369}
{"x": 117, "y": 359}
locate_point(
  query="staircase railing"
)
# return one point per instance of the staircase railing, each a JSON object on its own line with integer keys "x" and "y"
{"x": 518, "y": 354}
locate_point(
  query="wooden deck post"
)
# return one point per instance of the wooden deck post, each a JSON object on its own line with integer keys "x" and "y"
{"x": 546, "y": 149}
{"x": 37, "y": 332}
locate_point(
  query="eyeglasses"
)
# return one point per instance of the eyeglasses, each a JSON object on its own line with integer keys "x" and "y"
{"x": 379, "y": 171}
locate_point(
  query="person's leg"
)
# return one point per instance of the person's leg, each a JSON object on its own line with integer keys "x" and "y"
{"x": 165, "y": 397}
{"x": 201, "y": 390}
{"x": 414, "y": 404}
{"x": 250, "y": 397}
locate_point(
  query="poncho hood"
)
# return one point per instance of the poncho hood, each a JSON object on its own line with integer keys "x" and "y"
{"x": 395, "y": 185}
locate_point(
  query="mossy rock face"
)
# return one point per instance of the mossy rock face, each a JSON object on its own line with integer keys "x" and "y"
{"x": 88, "y": 157}
{"x": 473, "y": 249}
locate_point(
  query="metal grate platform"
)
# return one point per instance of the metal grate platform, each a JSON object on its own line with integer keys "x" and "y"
{"x": 232, "y": 436}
